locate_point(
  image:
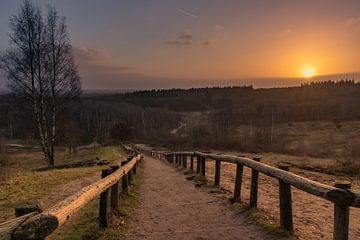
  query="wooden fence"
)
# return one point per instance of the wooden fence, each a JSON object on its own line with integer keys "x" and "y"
{"x": 340, "y": 194}
{"x": 34, "y": 225}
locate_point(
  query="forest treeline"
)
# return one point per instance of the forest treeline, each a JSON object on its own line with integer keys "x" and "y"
{"x": 151, "y": 115}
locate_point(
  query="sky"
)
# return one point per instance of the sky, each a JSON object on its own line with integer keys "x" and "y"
{"x": 142, "y": 44}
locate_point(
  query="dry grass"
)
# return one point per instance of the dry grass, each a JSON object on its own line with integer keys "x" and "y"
{"x": 85, "y": 224}
{"x": 21, "y": 184}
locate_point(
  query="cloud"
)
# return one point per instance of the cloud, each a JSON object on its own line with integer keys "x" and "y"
{"x": 208, "y": 43}
{"x": 98, "y": 70}
{"x": 96, "y": 59}
{"x": 219, "y": 28}
{"x": 287, "y": 31}
{"x": 184, "y": 39}
{"x": 91, "y": 54}
{"x": 353, "y": 22}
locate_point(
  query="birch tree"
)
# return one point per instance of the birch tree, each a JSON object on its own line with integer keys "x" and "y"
{"x": 40, "y": 68}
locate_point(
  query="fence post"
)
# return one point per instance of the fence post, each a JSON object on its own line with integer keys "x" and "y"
{"x": 184, "y": 161}
{"x": 104, "y": 203}
{"x": 217, "y": 172}
{"x": 23, "y": 209}
{"x": 203, "y": 166}
{"x": 124, "y": 181}
{"x": 130, "y": 176}
{"x": 238, "y": 182}
{"x": 341, "y": 216}
{"x": 115, "y": 191}
{"x": 286, "y": 218}
{"x": 192, "y": 163}
{"x": 254, "y": 186}
{"x": 198, "y": 164}
{"x": 134, "y": 168}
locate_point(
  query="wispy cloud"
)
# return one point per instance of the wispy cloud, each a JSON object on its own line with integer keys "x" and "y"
{"x": 91, "y": 54}
{"x": 184, "y": 39}
{"x": 187, "y": 13}
{"x": 218, "y": 28}
{"x": 287, "y": 31}
{"x": 353, "y": 22}
{"x": 96, "y": 59}
{"x": 208, "y": 43}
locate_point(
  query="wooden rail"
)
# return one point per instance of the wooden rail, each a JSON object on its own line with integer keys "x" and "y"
{"x": 340, "y": 194}
{"x": 40, "y": 225}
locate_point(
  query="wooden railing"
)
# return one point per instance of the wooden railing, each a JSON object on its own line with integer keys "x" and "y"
{"x": 340, "y": 194}
{"x": 39, "y": 225}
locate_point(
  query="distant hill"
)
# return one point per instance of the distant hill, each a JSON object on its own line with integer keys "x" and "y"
{"x": 154, "y": 113}
{"x": 97, "y": 92}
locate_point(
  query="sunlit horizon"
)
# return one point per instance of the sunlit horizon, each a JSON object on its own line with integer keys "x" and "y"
{"x": 162, "y": 44}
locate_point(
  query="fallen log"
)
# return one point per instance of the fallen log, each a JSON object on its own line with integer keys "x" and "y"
{"x": 86, "y": 163}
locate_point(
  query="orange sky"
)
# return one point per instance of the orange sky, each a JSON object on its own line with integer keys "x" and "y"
{"x": 160, "y": 43}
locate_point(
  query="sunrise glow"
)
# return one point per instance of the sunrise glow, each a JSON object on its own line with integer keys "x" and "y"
{"x": 308, "y": 73}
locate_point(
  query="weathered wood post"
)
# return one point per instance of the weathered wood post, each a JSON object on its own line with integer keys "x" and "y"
{"x": 341, "y": 216}
{"x": 184, "y": 161}
{"x": 192, "y": 163}
{"x": 238, "y": 182}
{"x": 115, "y": 191}
{"x": 124, "y": 181}
{"x": 176, "y": 159}
{"x": 198, "y": 164}
{"x": 254, "y": 186}
{"x": 134, "y": 168}
{"x": 23, "y": 209}
{"x": 130, "y": 175}
{"x": 203, "y": 166}
{"x": 286, "y": 218}
{"x": 217, "y": 172}
{"x": 104, "y": 203}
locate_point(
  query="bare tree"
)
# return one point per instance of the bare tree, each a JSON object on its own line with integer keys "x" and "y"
{"x": 63, "y": 78}
{"x": 40, "y": 68}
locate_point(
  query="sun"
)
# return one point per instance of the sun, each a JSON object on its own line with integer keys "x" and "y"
{"x": 308, "y": 72}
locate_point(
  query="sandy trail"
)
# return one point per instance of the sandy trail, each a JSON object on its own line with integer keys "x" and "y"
{"x": 172, "y": 208}
{"x": 313, "y": 216}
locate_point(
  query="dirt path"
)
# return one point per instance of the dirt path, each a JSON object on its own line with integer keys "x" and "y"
{"x": 313, "y": 216}
{"x": 171, "y": 208}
